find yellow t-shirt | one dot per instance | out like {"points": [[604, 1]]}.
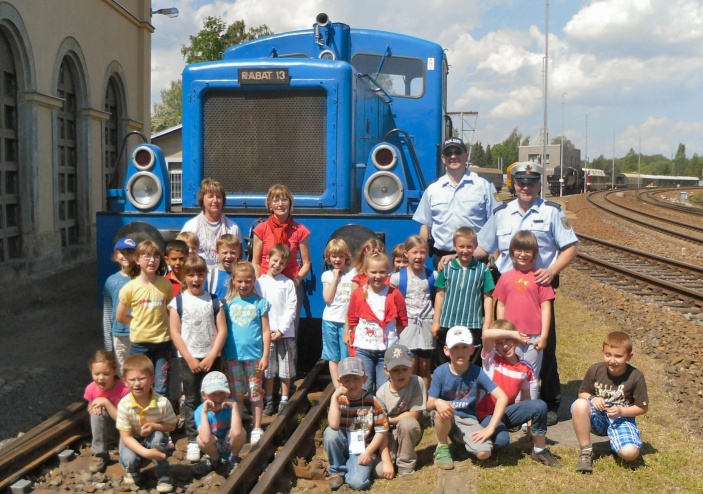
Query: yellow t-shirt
{"points": [[149, 315]]}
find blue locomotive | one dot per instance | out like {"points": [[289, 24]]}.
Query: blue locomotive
{"points": [[351, 120]]}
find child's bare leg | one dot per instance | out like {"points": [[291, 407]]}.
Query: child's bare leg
{"points": [[257, 410], [237, 434], [442, 428], [207, 443], [581, 419], [334, 373], [629, 452], [423, 370], [268, 388], [285, 388]]}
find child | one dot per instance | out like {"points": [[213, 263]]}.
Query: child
{"points": [[176, 253], [612, 394], [103, 396], [248, 340], [280, 292], [403, 398], [220, 430], [357, 431], [144, 419], [115, 333], [525, 303], [336, 290], [191, 239], [453, 395], [229, 251], [198, 330], [376, 317], [400, 260], [516, 378], [416, 283], [463, 298], [147, 295]]}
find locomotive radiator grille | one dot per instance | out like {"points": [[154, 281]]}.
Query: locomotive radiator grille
{"points": [[254, 139]]}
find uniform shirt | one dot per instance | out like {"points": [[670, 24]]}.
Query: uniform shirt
{"points": [[444, 207], [131, 416], [149, 315], [462, 391], [280, 292], [463, 300], [545, 219], [511, 378], [363, 414]]}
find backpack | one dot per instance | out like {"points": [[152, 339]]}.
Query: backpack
{"points": [[403, 281], [215, 305]]}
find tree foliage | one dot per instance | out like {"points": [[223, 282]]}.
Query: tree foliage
{"points": [[567, 142], [512, 143], [168, 113]]}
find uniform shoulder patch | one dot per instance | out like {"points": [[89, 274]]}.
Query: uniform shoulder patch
{"points": [[565, 223], [497, 197], [553, 204], [502, 206]]}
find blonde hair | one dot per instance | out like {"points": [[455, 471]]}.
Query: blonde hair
{"points": [[375, 257], [398, 251], [189, 238], [228, 240], [279, 190], [103, 356], [371, 245], [337, 246], [280, 249], [240, 267], [618, 339], [210, 186], [414, 241], [465, 232], [147, 248], [138, 363], [193, 264]]}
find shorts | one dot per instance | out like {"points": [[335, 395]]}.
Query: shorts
{"points": [[622, 431], [465, 427], [333, 347], [246, 378], [282, 357], [223, 446]]}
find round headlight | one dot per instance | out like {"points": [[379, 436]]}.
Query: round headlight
{"points": [[384, 157], [327, 55], [143, 158], [144, 190], [383, 191]]}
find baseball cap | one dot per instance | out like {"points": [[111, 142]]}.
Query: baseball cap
{"points": [[527, 171], [397, 355], [457, 335], [125, 243], [454, 142], [215, 381], [351, 366]]}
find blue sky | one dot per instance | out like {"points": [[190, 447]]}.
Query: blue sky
{"points": [[635, 67]]}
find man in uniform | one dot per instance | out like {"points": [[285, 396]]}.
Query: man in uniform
{"points": [[557, 248], [458, 198]]}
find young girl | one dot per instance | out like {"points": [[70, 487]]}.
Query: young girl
{"points": [[400, 259], [525, 303], [336, 290], [416, 283], [103, 396], [376, 317], [147, 295], [248, 341], [198, 330]]}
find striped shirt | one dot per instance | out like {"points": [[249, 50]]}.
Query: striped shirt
{"points": [[464, 289], [363, 414], [511, 378], [131, 416]]}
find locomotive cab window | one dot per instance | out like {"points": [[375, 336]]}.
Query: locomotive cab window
{"points": [[398, 76]]}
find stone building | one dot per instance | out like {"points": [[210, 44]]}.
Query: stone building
{"points": [[572, 157], [75, 79]]}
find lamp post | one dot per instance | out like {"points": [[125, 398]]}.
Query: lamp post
{"points": [[561, 157], [170, 12], [613, 176], [585, 171], [545, 133], [639, 163]]}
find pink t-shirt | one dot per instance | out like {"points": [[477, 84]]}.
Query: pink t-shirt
{"points": [[511, 378], [118, 391], [296, 234], [523, 300]]}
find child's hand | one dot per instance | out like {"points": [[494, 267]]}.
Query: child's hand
{"points": [[434, 329], [483, 435], [206, 364], [208, 405], [341, 390], [598, 403], [444, 409], [98, 405], [388, 470], [541, 343], [276, 335], [614, 412], [147, 429], [155, 454], [524, 339], [336, 274], [194, 365], [364, 458], [262, 365], [347, 338]]}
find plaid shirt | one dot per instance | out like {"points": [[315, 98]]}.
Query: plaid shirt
{"points": [[131, 416]]}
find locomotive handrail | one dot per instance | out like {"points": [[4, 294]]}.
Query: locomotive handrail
{"points": [[413, 154]]}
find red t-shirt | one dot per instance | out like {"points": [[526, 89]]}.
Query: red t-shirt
{"points": [[174, 283], [523, 300], [296, 234], [118, 391], [511, 378]]}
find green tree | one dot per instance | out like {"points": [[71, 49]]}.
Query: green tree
{"points": [[488, 158], [567, 143], [512, 143], [477, 154], [168, 113], [694, 168], [526, 141], [680, 160], [630, 161], [500, 156]]}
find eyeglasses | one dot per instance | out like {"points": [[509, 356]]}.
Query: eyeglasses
{"points": [[280, 200], [453, 151], [139, 380], [150, 258]]}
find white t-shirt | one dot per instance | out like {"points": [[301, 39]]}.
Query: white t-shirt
{"points": [[337, 310], [198, 327], [369, 335], [280, 293]]}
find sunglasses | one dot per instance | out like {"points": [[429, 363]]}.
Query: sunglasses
{"points": [[454, 151]]}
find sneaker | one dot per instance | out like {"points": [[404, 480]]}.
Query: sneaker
{"points": [[131, 478], [164, 486], [256, 435], [269, 408], [545, 456], [552, 418], [97, 464], [233, 462], [585, 463], [403, 471], [443, 457], [281, 405], [192, 452], [335, 481], [206, 466], [170, 446]]}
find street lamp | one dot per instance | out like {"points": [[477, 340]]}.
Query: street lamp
{"points": [[585, 171], [613, 176], [171, 12], [561, 158]]}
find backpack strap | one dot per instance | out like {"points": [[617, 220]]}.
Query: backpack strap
{"points": [[216, 304], [179, 305], [429, 272], [403, 281]]}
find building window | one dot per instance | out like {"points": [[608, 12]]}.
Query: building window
{"points": [[112, 136], [67, 157], [176, 178], [10, 237]]}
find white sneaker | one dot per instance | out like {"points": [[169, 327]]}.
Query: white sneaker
{"points": [[256, 435], [193, 452]]}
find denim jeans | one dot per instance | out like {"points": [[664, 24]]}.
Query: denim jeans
{"points": [[131, 461], [518, 414], [373, 366], [160, 356], [104, 432], [358, 477]]}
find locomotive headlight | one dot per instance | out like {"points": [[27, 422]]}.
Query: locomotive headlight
{"points": [[143, 158], [383, 191], [144, 190], [384, 157]]}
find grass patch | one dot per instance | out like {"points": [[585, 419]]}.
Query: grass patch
{"points": [[672, 459]]}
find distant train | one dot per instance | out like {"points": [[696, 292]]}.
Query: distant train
{"points": [[493, 175], [574, 178], [633, 180], [595, 179]]}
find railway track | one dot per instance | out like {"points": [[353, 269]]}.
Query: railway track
{"points": [[647, 195], [265, 468]]}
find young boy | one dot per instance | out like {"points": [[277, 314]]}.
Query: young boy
{"points": [[612, 394], [516, 378], [229, 251], [176, 254], [280, 292], [403, 399], [453, 395], [191, 239], [357, 431], [116, 334], [144, 420], [219, 424], [400, 261], [463, 294]]}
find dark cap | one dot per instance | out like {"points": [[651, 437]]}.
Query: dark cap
{"points": [[454, 142], [527, 171], [351, 366], [397, 355]]}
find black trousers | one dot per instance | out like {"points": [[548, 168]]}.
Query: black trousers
{"points": [[550, 390]]}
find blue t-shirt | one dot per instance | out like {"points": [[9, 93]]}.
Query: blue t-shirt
{"points": [[220, 280], [220, 422], [113, 285], [461, 391], [244, 335]]}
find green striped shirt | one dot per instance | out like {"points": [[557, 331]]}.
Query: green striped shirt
{"points": [[464, 289]]}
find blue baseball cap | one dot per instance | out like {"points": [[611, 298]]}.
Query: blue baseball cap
{"points": [[125, 243]]}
